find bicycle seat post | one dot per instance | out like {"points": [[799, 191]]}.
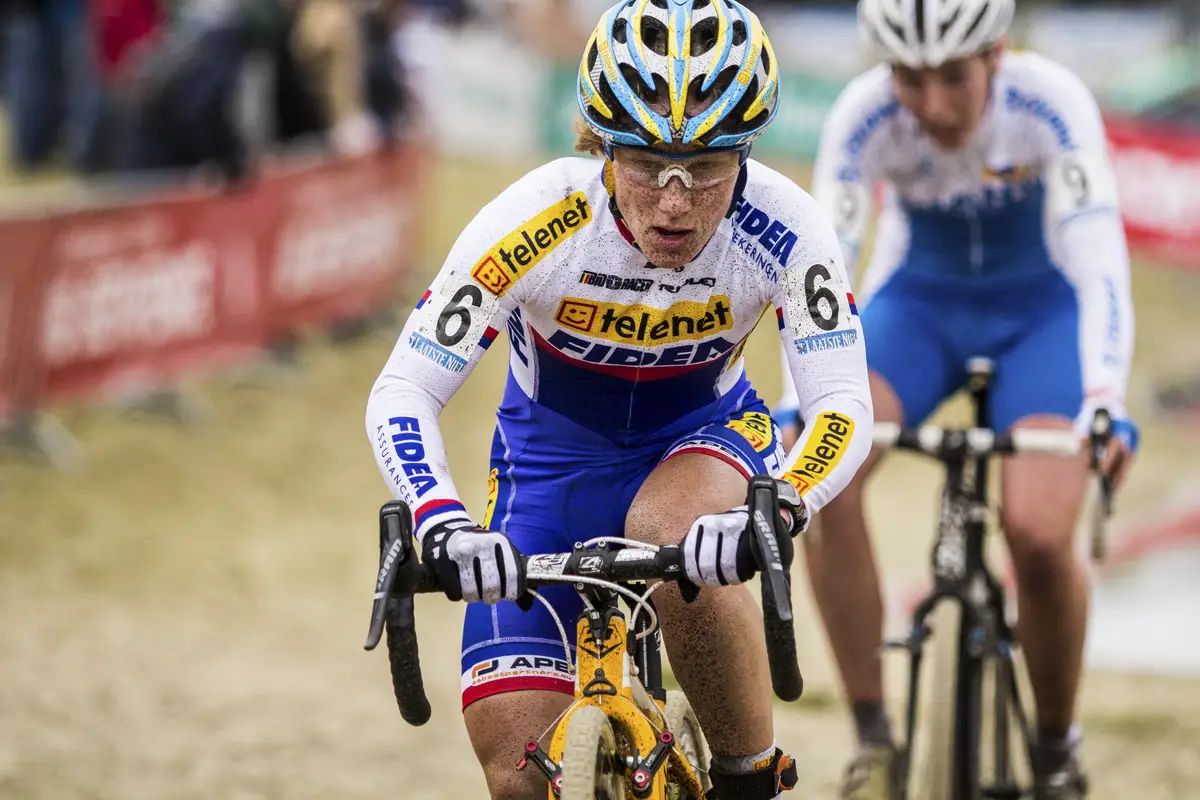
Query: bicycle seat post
{"points": [[980, 372]]}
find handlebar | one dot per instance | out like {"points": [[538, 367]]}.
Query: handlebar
{"points": [[948, 444], [955, 445], [401, 576]]}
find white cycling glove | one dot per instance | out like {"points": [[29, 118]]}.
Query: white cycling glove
{"points": [[473, 564], [718, 549]]}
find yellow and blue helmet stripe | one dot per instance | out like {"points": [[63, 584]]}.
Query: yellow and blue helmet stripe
{"points": [[678, 71]]}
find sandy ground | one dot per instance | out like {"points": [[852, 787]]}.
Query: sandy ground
{"points": [[185, 617]]}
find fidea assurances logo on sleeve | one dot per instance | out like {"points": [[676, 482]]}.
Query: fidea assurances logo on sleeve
{"points": [[524, 248]]}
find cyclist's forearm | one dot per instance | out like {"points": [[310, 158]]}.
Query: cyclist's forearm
{"points": [[402, 423], [827, 369], [834, 401], [834, 444], [1094, 251]]}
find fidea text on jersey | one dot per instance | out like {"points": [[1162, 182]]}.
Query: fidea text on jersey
{"points": [[766, 242], [410, 450], [677, 356], [523, 248]]}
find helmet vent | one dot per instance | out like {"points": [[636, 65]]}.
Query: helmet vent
{"points": [[739, 33], [945, 26], [704, 36], [983, 10], [654, 35], [621, 30]]}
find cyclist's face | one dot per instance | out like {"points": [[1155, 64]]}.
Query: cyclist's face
{"points": [[673, 206], [948, 101]]}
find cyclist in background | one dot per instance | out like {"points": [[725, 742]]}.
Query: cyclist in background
{"points": [[999, 235], [628, 286]]}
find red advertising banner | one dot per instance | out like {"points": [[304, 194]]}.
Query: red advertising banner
{"points": [[1158, 181], [342, 239], [21, 241], [132, 297]]}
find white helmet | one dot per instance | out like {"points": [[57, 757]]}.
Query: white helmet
{"points": [[928, 33]]}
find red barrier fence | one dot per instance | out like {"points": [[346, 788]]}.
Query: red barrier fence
{"points": [[137, 295], [1158, 180]]}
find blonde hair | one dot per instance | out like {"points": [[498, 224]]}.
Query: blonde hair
{"points": [[586, 139]]}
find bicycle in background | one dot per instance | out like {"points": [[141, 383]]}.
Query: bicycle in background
{"points": [[975, 690]]}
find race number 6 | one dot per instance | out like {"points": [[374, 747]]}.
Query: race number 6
{"points": [[456, 311], [814, 294]]}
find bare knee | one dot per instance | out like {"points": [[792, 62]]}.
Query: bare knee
{"points": [[1040, 539], [1042, 498], [499, 726], [655, 522], [679, 490]]}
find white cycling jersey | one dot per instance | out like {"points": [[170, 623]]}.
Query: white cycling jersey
{"points": [[1031, 194], [601, 338]]}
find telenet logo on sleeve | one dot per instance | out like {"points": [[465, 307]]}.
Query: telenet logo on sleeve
{"points": [[522, 249], [822, 452]]}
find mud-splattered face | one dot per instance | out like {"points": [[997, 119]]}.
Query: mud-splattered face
{"points": [[672, 205]]}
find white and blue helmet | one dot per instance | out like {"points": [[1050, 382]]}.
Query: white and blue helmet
{"points": [[647, 59], [928, 33]]}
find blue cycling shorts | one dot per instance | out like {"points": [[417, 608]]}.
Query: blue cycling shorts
{"points": [[920, 332], [553, 483]]}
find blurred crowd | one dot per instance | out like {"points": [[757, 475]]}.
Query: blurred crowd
{"points": [[123, 86]]}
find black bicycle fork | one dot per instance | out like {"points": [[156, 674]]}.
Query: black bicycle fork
{"points": [[961, 576]]}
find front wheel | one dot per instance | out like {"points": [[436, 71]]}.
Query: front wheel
{"points": [[682, 723], [932, 754], [591, 764]]}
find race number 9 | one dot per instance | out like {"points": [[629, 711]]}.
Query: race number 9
{"points": [[1078, 182], [814, 294], [848, 206], [1076, 179], [457, 313]]}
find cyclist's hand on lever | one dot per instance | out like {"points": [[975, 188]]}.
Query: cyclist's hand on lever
{"points": [[1114, 443], [474, 564], [1118, 456], [719, 549]]}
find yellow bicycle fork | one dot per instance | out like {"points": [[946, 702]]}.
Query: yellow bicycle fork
{"points": [[603, 679]]}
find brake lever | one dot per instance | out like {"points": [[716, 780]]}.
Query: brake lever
{"points": [[762, 504], [761, 501], [1101, 435], [395, 554]]}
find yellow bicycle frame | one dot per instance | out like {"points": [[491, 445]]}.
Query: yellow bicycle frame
{"points": [[602, 679]]}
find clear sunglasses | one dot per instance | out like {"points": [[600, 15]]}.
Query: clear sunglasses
{"points": [[701, 169]]}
